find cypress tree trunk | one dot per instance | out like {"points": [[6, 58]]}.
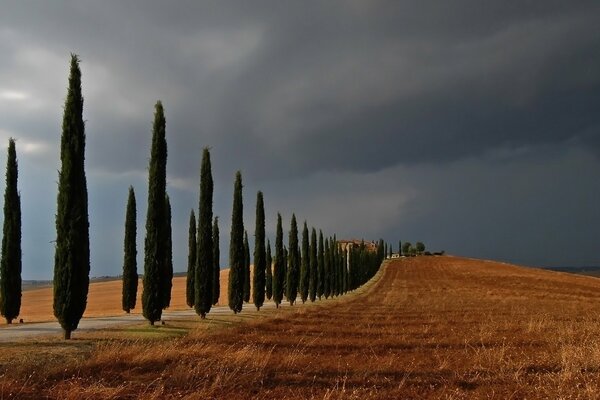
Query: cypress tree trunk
{"points": [[10, 263], [216, 286], [321, 267], [130, 275], [236, 249], [312, 266], [292, 271], [304, 266], [154, 245], [269, 278], [167, 279], [191, 269], [260, 262], [205, 264], [278, 271], [246, 268], [72, 252]]}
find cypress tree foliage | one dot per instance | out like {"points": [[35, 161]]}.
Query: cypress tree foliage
{"points": [[191, 269], [320, 267], [216, 285], [236, 249], [130, 275], [399, 247], [391, 251], [293, 267], [334, 268], [344, 271], [205, 265], [260, 262], [154, 245], [10, 263], [72, 250], [246, 268], [269, 277], [167, 272], [385, 250], [304, 265], [312, 266], [278, 271], [326, 270], [286, 260]]}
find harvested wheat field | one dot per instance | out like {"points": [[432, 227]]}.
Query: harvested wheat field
{"points": [[425, 327]]}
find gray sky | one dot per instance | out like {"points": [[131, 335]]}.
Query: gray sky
{"points": [[472, 126]]}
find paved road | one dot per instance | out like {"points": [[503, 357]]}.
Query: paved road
{"points": [[37, 329]]}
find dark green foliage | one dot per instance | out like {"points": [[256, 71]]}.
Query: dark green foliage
{"points": [[246, 268], [327, 270], [285, 268], [167, 272], [320, 267], [420, 248], [191, 269], [156, 232], [216, 286], [72, 251], [312, 266], [293, 272], [260, 262], [391, 251], [304, 265], [335, 278], [269, 278], [363, 264], [10, 264], [399, 247], [130, 275], [236, 249], [278, 267], [385, 251], [344, 261], [205, 265], [406, 248]]}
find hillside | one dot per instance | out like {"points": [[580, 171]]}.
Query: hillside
{"points": [[425, 327]]}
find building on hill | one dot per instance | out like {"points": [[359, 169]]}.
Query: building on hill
{"points": [[346, 245]]}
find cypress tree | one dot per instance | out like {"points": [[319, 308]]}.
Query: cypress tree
{"points": [[320, 267], [286, 260], [154, 244], [236, 249], [189, 287], [260, 262], [216, 286], [246, 268], [167, 272], [130, 275], [399, 247], [278, 267], [293, 267], [304, 266], [10, 263], [205, 265], [72, 250], [327, 270], [334, 268], [385, 251], [269, 277], [312, 266]]}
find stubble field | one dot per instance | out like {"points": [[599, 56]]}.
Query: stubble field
{"points": [[426, 327]]}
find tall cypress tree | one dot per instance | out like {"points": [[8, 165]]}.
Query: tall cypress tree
{"points": [[72, 251], [293, 272], [167, 272], [191, 269], [246, 268], [312, 266], [286, 261], [304, 265], [260, 262], [269, 277], [10, 263], [278, 271], [320, 267], [326, 271], [205, 265], [154, 244], [216, 286], [130, 275], [236, 249]]}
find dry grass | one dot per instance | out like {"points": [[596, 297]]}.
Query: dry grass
{"points": [[428, 327]]}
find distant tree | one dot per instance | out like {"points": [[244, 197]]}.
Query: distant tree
{"points": [[269, 277], [304, 265], [278, 269], [72, 248], [190, 293], [167, 279], [236, 249], [391, 251], [320, 267], [130, 275], [406, 248], [260, 262], [286, 261], [293, 267], [420, 248], [327, 270], [246, 268], [205, 265], [385, 251], [154, 245], [312, 266], [10, 263], [399, 247], [216, 286]]}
